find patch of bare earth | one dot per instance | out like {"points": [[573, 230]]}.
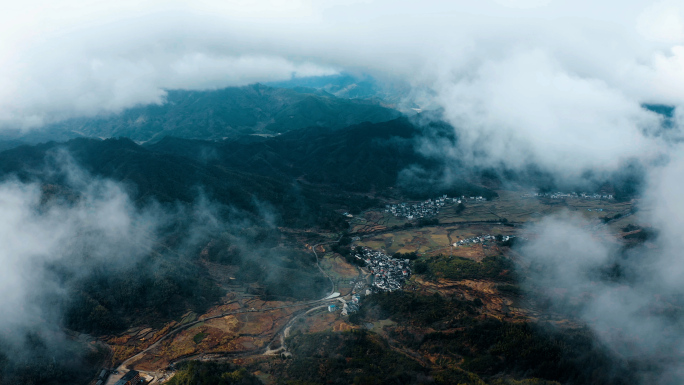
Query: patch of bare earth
{"points": [[135, 340], [325, 321], [231, 334], [495, 304]]}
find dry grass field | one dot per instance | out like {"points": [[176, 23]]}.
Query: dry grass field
{"points": [[434, 240], [229, 334], [477, 219], [322, 321], [337, 267]]}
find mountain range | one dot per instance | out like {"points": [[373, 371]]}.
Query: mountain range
{"points": [[220, 114]]}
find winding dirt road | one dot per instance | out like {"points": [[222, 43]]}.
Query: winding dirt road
{"points": [[160, 376]]}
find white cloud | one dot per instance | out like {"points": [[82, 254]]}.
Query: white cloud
{"points": [[529, 80], [102, 227], [523, 4], [632, 308], [526, 109], [662, 21]]}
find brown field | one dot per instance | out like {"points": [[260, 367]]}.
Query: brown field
{"points": [[434, 240], [338, 267], [322, 320], [509, 205], [378, 326], [375, 220], [239, 332], [232, 333], [373, 216], [495, 304], [133, 341]]}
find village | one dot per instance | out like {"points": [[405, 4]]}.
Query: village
{"points": [[389, 274], [563, 195], [348, 307], [426, 209], [482, 239]]}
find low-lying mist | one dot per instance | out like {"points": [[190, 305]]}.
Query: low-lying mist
{"points": [[51, 238], [631, 294], [81, 256]]}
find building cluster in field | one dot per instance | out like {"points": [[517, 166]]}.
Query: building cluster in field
{"points": [[562, 195], [389, 274], [348, 307], [352, 306], [426, 209], [482, 239], [357, 284], [130, 378]]}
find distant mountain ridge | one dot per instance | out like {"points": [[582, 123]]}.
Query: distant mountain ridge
{"points": [[306, 174], [169, 178], [349, 86], [226, 113], [341, 85], [362, 158]]}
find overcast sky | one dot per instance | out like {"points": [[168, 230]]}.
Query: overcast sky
{"points": [[553, 82]]}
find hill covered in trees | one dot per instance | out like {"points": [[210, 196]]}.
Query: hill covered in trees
{"points": [[169, 178], [361, 158], [224, 113]]}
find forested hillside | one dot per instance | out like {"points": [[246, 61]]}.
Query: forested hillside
{"points": [[225, 113], [170, 178], [361, 158]]}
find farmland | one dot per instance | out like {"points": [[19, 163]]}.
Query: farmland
{"points": [[504, 215], [459, 260]]}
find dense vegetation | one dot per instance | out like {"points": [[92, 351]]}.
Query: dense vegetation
{"points": [[477, 350], [361, 158], [463, 347], [109, 302], [170, 178], [435, 310], [43, 358], [496, 268], [489, 347], [166, 284], [211, 373], [356, 357], [345, 85], [229, 112], [343, 165]]}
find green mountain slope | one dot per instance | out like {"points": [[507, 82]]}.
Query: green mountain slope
{"points": [[168, 178], [361, 158], [227, 113], [350, 86]]}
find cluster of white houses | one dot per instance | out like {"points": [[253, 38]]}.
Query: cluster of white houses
{"points": [[562, 195], [481, 239], [351, 306], [426, 209], [389, 273]]}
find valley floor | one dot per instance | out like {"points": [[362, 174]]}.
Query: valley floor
{"points": [[464, 262]]}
